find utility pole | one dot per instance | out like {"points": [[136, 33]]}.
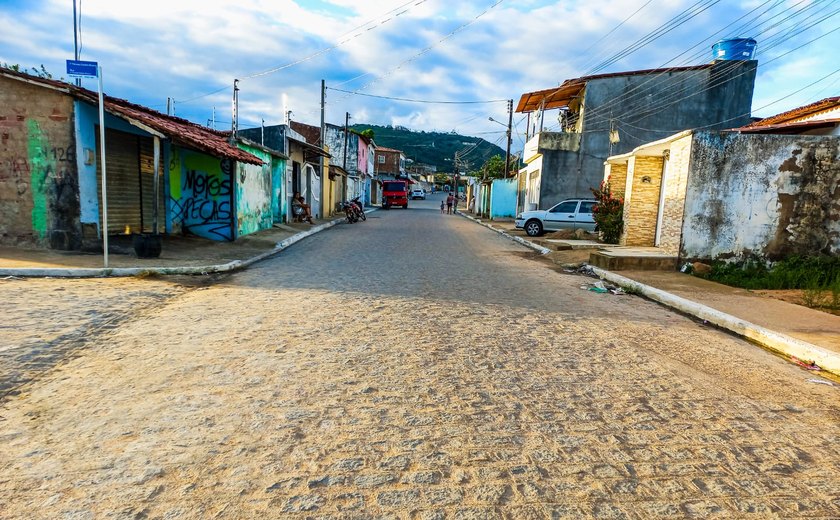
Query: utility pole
{"points": [[76, 39], [323, 132], [509, 127], [346, 137], [234, 124]]}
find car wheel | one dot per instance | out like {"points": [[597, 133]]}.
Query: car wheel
{"points": [[405, 206], [533, 228]]}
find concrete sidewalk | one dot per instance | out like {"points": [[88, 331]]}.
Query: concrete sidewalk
{"points": [[788, 329], [180, 255]]}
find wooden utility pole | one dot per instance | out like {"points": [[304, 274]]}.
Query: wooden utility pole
{"points": [[509, 125]]}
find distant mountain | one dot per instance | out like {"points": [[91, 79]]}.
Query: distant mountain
{"points": [[435, 148]]}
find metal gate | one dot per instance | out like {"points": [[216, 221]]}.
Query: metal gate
{"points": [[130, 160]]}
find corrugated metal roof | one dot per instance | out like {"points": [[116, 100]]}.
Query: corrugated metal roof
{"points": [[797, 113], [180, 131], [562, 95]]}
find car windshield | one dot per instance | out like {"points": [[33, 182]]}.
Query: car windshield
{"points": [[393, 186]]}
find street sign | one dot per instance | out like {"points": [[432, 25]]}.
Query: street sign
{"points": [[82, 69]]}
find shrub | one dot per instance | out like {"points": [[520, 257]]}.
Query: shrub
{"points": [[795, 272], [608, 213]]}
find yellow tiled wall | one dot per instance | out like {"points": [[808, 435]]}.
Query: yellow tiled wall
{"points": [[644, 176]]}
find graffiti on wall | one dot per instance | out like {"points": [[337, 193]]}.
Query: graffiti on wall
{"points": [[200, 194]]}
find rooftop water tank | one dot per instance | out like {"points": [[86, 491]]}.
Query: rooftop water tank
{"points": [[734, 49]]}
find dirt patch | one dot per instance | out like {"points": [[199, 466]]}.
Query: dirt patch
{"points": [[820, 302]]}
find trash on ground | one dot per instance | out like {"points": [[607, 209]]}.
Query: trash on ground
{"points": [[12, 278], [602, 287], [821, 382], [807, 365], [587, 270]]}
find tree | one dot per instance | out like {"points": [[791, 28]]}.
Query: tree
{"points": [[367, 132], [608, 213], [494, 168]]}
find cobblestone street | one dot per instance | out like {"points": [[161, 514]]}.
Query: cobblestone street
{"points": [[412, 366]]}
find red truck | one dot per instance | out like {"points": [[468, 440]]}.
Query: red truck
{"points": [[395, 193]]}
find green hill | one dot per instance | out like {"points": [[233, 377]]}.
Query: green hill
{"points": [[435, 148]]}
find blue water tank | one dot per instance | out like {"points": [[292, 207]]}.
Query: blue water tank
{"points": [[734, 49]]}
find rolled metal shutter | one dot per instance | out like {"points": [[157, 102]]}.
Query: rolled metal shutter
{"points": [[130, 182], [147, 181]]}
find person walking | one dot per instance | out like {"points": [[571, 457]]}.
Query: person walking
{"points": [[449, 201], [442, 203]]}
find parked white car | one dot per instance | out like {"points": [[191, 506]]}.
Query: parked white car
{"points": [[418, 194], [569, 214]]}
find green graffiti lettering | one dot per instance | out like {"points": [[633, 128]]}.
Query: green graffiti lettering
{"points": [[41, 168]]}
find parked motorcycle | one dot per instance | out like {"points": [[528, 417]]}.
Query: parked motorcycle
{"points": [[360, 210], [350, 212]]}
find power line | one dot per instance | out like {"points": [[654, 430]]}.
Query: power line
{"points": [[320, 52], [466, 102], [421, 53]]}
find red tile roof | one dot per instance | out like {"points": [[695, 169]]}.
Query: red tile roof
{"points": [[180, 131], [797, 113], [383, 149]]}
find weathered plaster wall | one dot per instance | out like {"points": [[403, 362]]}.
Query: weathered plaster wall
{"points": [[39, 187], [200, 194], [771, 195], [644, 178], [503, 198], [253, 186]]}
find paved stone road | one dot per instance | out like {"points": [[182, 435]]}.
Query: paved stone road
{"points": [[417, 366]]}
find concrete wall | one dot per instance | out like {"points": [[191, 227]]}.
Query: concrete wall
{"points": [[641, 201], [254, 189], [771, 195], [645, 108], [201, 194], [503, 198], [39, 186]]}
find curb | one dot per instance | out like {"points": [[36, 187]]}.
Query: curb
{"points": [[102, 272], [775, 341], [542, 250]]}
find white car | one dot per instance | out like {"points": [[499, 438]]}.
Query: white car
{"points": [[569, 214], [418, 194]]}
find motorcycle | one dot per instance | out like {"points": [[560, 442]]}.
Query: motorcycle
{"points": [[350, 212], [360, 211]]}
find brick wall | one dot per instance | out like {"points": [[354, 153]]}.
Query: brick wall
{"points": [[391, 166], [39, 189], [676, 179], [644, 176]]}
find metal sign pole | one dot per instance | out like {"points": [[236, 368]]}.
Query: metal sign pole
{"points": [[104, 177]]}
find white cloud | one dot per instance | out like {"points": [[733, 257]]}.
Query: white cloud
{"points": [[184, 49]]}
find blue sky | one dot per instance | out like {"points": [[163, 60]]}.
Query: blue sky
{"points": [[191, 50]]}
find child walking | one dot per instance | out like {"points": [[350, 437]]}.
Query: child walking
{"points": [[441, 206]]}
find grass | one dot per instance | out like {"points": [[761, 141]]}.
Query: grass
{"points": [[818, 277]]}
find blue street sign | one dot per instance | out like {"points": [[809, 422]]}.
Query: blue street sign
{"points": [[81, 69]]}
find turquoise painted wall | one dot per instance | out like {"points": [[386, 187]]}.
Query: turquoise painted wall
{"points": [[503, 199]]}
